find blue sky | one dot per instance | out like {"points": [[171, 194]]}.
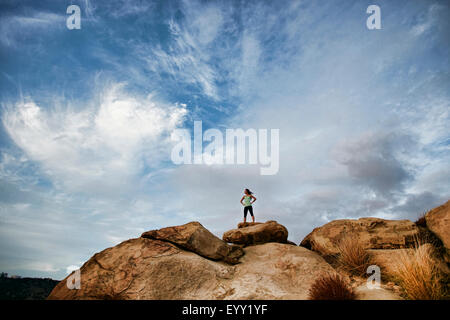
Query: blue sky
{"points": [[87, 117]]}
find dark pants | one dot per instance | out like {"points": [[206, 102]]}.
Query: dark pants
{"points": [[248, 209]]}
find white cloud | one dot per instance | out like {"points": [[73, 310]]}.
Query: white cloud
{"points": [[71, 268], [41, 266], [83, 147], [204, 22]]}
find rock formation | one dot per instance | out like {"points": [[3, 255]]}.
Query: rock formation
{"points": [[438, 222], [194, 237], [257, 233], [189, 262], [373, 233], [247, 224], [364, 293], [153, 269]]}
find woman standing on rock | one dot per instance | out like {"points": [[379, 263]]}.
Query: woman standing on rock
{"points": [[247, 201]]}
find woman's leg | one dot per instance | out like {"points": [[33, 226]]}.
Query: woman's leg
{"points": [[245, 214], [251, 213]]}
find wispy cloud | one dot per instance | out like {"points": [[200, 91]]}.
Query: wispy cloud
{"points": [[15, 29], [183, 60]]}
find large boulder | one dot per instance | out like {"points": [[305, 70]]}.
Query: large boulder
{"points": [[276, 271], [194, 237], [247, 224], [364, 293], [257, 233], [145, 268], [438, 222], [373, 233]]}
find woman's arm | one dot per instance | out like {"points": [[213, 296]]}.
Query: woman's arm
{"points": [[242, 199], [254, 199]]}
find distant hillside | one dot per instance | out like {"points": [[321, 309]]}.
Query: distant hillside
{"points": [[25, 288]]}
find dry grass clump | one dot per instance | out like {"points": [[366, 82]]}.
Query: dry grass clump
{"points": [[421, 222], [353, 257], [331, 287], [418, 274]]}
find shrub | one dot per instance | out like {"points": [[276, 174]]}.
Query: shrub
{"points": [[353, 257], [331, 287], [421, 222], [418, 274]]}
